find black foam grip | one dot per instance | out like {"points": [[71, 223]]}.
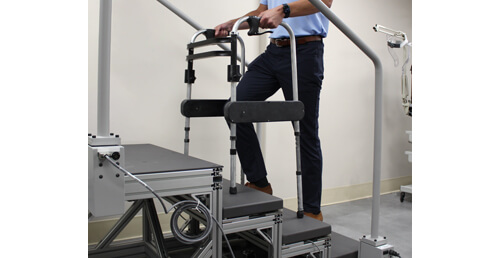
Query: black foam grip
{"points": [[203, 107], [209, 33], [253, 23]]}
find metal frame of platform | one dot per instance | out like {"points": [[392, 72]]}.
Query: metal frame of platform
{"points": [[265, 230], [258, 227], [169, 173], [251, 212], [320, 246], [251, 215], [305, 236], [299, 236]]}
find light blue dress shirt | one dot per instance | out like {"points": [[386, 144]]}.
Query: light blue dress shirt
{"points": [[313, 24]]}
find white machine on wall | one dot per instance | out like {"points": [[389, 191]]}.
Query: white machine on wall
{"points": [[399, 39]]}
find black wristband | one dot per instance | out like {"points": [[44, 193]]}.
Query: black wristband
{"points": [[286, 10]]}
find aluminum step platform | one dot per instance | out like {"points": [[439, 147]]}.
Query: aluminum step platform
{"points": [[148, 158], [169, 173], [247, 201], [306, 228]]}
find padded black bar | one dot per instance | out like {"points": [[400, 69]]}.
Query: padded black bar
{"points": [[208, 42], [208, 54], [203, 107], [263, 111]]}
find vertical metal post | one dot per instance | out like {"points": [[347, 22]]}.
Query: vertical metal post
{"points": [[187, 127], [103, 76], [216, 208], [233, 77], [377, 148], [189, 80], [296, 124], [242, 44], [277, 234], [233, 146]]}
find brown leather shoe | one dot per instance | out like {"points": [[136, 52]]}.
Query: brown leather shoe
{"points": [[268, 189], [318, 216]]}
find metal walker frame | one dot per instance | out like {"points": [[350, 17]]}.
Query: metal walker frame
{"points": [[241, 111]]}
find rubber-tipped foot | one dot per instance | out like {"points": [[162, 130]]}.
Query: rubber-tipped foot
{"points": [[300, 214], [232, 190]]}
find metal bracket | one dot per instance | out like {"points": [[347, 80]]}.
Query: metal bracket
{"points": [[374, 241], [95, 140], [106, 185]]}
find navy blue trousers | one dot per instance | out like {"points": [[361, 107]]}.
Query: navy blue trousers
{"points": [[267, 74]]}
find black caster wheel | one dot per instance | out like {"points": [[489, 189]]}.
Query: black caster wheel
{"points": [[402, 198]]}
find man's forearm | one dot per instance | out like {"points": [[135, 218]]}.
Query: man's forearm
{"points": [[304, 7]]}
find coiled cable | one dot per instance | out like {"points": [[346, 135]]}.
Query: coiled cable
{"points": [[183, 206]]}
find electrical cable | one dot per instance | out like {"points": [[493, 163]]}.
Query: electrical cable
{"points": [[225, 237], [309, 241], [181, 207], [393, 253]]}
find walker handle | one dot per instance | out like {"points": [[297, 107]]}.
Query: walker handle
{"points": [[209, 33], [253, 23]]}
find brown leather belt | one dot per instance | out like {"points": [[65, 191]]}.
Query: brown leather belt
{"points": [[301, 40]]}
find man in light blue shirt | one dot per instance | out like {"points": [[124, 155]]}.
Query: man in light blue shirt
{"points": [[313, 24], [270, 72]]}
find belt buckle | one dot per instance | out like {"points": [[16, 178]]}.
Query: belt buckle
{"points": [[278, 42]]}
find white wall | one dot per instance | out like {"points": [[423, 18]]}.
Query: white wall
{"points": [[147, 86]]}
